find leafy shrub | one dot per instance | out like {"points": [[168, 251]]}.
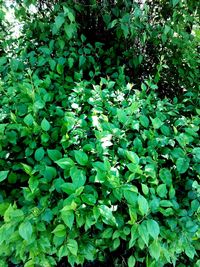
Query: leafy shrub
{"points": [[93, 162]]}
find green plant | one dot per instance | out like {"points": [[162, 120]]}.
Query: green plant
{"points": [[93, 162]]}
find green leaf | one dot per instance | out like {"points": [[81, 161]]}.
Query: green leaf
{"points": [[3, 175], [29, 120], [144, 121], [72, 246], [154, 250], [143, 232], [182, 164], [131, 261], [54, 154], [153, 228], [39, 154], [50, 173], [70, 62], [68, 217], [59, 68], [65, 163], [162, 190], [175, 2], [132, 156], [78, 177], [45, 125], [63, 251], [196, 154], [107, 215], [82, 60], [143, 205], [145, 189], [190, 251], [81, 157], [60, 230], [157, 123], [165, 176], [26, 230], [59, 21], [130, 196]]}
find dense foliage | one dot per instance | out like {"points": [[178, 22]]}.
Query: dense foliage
{"points": [[99, 133]]}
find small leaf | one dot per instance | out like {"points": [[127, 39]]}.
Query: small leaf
{"points": [[54, 154], [132, 156], [65, 163], [143, 232], [131, 261], [3, 175], [60, 230], [29, 120], [165, 176], [175, 2], [78, 177], [59, 21], [154, 250], [144, 121], [81, 157], [68, 217], [45, 125], [25, 230], [162, 190], [153, 228], [182, 164], [70, 62], [82, 60], [157, 123], [39, 154], [143, 205], [72, 246]]}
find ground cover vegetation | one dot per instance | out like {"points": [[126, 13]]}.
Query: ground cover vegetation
{"points": [[99, 133]]}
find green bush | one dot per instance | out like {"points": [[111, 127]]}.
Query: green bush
{"points": [[94, 163]]}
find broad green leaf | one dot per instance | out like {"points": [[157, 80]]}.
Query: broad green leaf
{"points": [[143, 232], [130, 196], [59, 20], [65, 163], [50, 173], [165, 176], [68, 217], [81, 157], [63, 251], [78, 177], [157, 123], [54, 154], [72, 246], [131, 261], [132, 156], [59, 68], [154, 250], [45, 125], [145, 189], [3, 175], [39, 154], [29, 120], [70, 62], [60, 230], [162, 190], [182, 164], [82, 60], [26, 230], [190, 251], [153, 228], [107, 215], [175, 2], [143, 205], [144, 121]]}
